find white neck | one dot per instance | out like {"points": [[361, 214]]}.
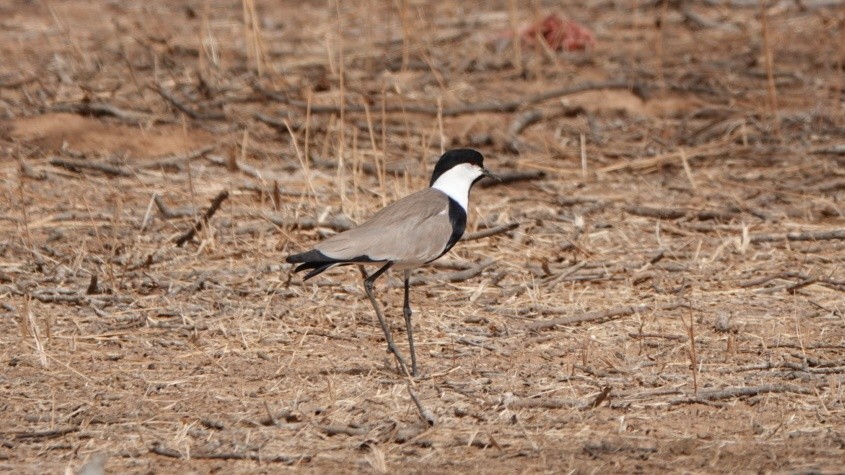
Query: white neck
{"points": [[457, 181]]}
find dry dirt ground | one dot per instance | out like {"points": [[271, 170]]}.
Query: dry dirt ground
{"points": [[662, 289]]}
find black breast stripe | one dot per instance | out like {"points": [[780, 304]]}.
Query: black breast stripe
{"points": [[458, 219]]}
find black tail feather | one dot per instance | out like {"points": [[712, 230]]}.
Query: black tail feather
{"points": [[319, 262], [311, 256], [318, 269], [312, 259]]}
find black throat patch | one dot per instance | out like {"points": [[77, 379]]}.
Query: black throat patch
{"points": [[458, 219]]}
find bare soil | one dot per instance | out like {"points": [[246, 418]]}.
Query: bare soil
{"points": [[665, 293]]}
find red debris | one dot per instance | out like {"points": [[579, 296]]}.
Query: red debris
{"points": [[559, 34]]}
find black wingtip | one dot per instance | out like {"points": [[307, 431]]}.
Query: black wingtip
{"points": [[310, 256], [320, 262], [313, 259], [317, 270]]}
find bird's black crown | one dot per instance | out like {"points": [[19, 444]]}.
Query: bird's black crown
{"points": [[456, 157]]}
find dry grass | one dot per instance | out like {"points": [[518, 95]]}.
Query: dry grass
{"points": [[672, 299]]}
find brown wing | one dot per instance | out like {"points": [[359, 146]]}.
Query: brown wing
{"points": [[414, 229]]}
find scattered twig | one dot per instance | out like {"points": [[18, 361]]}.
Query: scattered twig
{"points": [[807, 369], [425, 414], [245, 168], [335, 223], [804, 346], [18, 82], [600, 397], [29, 172], [595, 372], [455, 276], [99, 109], [167, 96], [409, 433], [703, 22], [675, 213], [343, 430], [769, 64], [511, 177], [521, 121], [215, 205], [44, 434], [828, 234], [554, 279], [197, 285], [504, 107], [276, 195], [82, 216], [658, 213], [598, 315], [502, 228], [271, 418], [803, 283], [276, 123], [77, 165], [730, 393], [212, 424], [635, 395], [473, 441], [92, 286], [663, 336], [653, 163], [543, 403], [834, 150], [367, 168], [178, 161], [171, 213], [693, 353], [478, 344], [768, 278], [160, 449], [816, 362], [530, 117], [596, 450], [75, 299]]}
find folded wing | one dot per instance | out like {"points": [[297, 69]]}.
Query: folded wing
{"points": [[410, 232]]}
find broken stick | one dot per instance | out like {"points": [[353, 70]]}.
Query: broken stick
{"points": [[460, 276], [502, 228], [822, 235], [196, 115], [598, 315], [77, 165], [514, 176], [215, 205], [736, 392]]}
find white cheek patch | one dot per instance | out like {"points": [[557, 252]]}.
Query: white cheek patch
{"points": [[457, 181]]}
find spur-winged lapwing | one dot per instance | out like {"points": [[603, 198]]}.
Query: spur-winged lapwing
{"points": [[406, 234]]}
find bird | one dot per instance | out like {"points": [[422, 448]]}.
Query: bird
{"points": [[404, 235]]}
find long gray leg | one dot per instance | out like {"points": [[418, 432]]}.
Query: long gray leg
{"points": [[408, 327], [391, 346]]}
